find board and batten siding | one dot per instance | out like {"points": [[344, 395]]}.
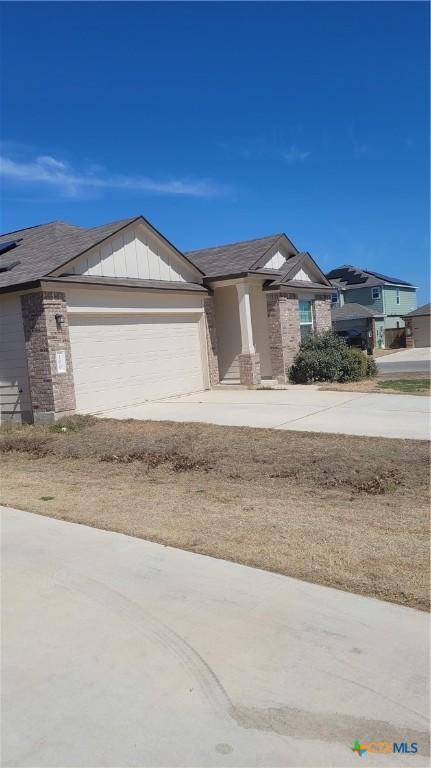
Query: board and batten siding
{"points": [[15, 402], [134, 253], [276, 261]]}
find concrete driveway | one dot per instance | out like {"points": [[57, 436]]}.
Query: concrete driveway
{"points": [[304, 408], [406, 361], [120, 652]]}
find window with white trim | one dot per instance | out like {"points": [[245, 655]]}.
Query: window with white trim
{"points": [[305, 318], [334, 299], [375, 293], [398, 295]]}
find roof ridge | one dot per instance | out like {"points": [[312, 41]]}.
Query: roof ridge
{"points": [[34, 226], [238, 242], [112, 223]]}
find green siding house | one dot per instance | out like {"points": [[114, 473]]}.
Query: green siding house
{"points": [[387, 298]]}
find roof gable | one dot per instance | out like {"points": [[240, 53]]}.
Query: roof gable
{"points": [[303, 269], [247, 255], [135, 252], [45, 249]]}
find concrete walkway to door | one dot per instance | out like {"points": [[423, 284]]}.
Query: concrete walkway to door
{"points": [[121, 652], [304, 408]]}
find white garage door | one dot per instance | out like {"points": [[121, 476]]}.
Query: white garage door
{"points": [[120, 360]]}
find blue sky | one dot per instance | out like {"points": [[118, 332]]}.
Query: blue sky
{"points": [[224, 121]]}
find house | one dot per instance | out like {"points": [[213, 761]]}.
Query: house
{"points": [[388, 299], [418, 327], [95, 319], [357, 320]]}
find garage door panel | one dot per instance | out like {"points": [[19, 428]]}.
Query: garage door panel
{"points": [[121, 360]]}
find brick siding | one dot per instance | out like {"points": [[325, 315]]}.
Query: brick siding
{"points": [[283, 331], [249, 369], [52, 393], [211, 335], [322, 314]]}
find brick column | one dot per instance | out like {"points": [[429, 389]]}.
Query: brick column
{"points": [[322, 314], [211, 334], [283, 330], [249, 369], [52, 392]]}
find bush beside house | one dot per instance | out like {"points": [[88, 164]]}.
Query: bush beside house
{"points": [[326, 357]]}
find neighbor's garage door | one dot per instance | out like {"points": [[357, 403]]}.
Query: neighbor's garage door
{"points": [[126, 359], [421, 331]]}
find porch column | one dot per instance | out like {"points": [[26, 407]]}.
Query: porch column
{"points": [[249, 361]]}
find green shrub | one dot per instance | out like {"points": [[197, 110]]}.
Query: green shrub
{"points": [[354, 366], [326, 357]]}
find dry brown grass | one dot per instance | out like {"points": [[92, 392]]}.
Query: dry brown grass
{"points": [[348, 512]]}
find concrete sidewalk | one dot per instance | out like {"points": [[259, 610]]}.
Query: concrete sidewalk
{"points": [[304, 408], [120, 652]]}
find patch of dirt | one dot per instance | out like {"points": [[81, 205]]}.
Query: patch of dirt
{"points": [[314, 461], [348, 512]]}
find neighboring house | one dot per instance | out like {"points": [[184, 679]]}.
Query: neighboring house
{"points": [[388, 298], [418, 327], [357, 319], [102, 318]]}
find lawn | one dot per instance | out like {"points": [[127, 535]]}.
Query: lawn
{"points": [[411, 386], [405, 383], [348, 512]]}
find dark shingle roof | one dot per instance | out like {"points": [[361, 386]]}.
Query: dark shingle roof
{"points": [[46, 247], [352, 311], [234, 257], [348, 277], [422, 311]]}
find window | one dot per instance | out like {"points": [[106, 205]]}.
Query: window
{"points": [[334, 299], [398, 295], [375, 293], [305, 318]]}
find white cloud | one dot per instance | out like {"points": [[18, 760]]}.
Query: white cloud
{"points": [[295, 155], [52, 172]]}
